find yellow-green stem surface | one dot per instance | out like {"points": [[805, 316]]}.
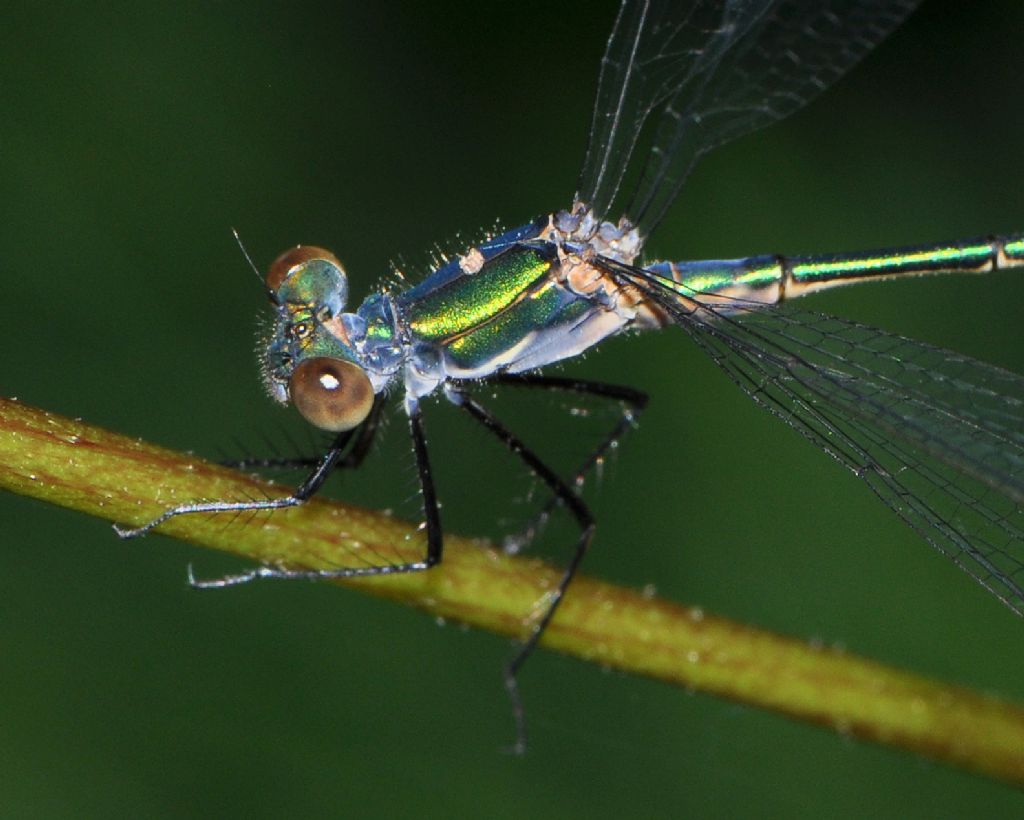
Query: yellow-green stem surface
{"points": [[85, 468]]}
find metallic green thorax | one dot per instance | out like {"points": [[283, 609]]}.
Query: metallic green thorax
{"points": [[482, 318], [466, 302]]}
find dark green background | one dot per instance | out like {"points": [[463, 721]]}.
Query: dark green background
{"points": [[131, 141]]}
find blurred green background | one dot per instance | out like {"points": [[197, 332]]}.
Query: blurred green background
{"points": [[133, 138]]}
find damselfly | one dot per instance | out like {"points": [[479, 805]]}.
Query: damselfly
{"points": [[938, 437]]}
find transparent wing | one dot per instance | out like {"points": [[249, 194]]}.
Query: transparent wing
{"points": [[712, 70], [939, 437]]}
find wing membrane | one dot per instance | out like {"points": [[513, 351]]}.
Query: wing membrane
{"points": [[712, 71], [937, 436]]}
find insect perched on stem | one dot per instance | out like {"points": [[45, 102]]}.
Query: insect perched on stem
{"points": [[938, 437]]}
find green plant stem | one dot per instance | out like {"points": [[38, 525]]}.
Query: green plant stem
{"points": [[76, 465]]}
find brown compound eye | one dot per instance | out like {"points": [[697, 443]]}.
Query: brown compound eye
{"points": [[332, 394], [283, 266]]}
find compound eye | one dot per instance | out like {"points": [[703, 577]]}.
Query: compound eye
{"points": [[332, 394], [282, 267]]}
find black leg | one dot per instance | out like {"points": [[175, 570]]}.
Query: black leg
{"points": [[634, 401], [431, 510], [306, 490], [333, 458], [566, 495], [271, 463]]}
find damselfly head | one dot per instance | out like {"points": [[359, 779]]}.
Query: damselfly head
{"points": [[309, 357], [307, 274]]}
